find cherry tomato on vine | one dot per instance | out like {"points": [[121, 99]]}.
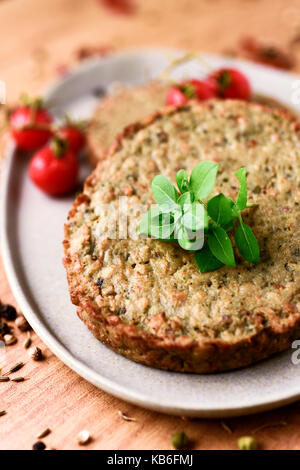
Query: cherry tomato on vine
{"points": [[30, 125], [202, 89], [231, 83], [175, 97], [191, 89], [73, 135], [54, 168]]}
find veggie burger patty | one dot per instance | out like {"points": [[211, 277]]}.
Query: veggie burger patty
{"points": [[147, 299]]}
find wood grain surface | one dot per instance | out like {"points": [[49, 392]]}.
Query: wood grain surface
{"points": [[38, 40]]}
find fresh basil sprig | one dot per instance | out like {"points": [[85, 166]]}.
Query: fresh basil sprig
{"points": [[198, 225], [203, 178]]}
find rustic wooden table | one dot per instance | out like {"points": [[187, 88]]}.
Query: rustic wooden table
{"points": [[38, 39]]}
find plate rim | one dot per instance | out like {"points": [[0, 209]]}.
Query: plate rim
{"points": [[53, 343]]}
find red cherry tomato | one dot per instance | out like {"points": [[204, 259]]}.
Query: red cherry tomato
{"points": [[202, 89], [175, 97], [30, 127], [54, 168], [231, 83], [191, 89], [74, 136]]}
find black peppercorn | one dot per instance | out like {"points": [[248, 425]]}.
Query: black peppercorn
{"points": [[4, 329], [8, 312], [39, 445], [287, 268], [99, 282]]}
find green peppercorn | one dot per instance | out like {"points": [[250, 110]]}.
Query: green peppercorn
{"points": [[247, 443], [179, 440]]}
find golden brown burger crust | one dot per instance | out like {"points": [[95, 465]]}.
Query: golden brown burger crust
{"points": [[185, 355]]}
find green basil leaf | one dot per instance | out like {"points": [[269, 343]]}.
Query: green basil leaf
{"points": [[182, 181], [170, 239], [241, 201], [219, 208], [193, 218], [166, 209], [220, 246], [229, 226], [164, 192], [177, 214], [206, 221], [235, 210], [247, 243], [162, 224], [145, 224], [153, 219], [203, 179], [206, 261], [162, 232], [186, 242], [162, 219], [186, 198], [183, 238]]}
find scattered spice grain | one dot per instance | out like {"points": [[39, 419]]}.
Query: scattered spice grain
{"points": [[179, 440], [4, 329], [39, 445], [247, 443], [8, 312], [27, 342], [226, 427], [22, 323], [9, 339], [43, 434], [84, 437], [15, 368], [125, 417], [4, 379], [36, 353], [269, 425]]}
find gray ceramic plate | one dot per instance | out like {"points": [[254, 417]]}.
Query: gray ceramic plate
{"points": [[32, 233]]}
